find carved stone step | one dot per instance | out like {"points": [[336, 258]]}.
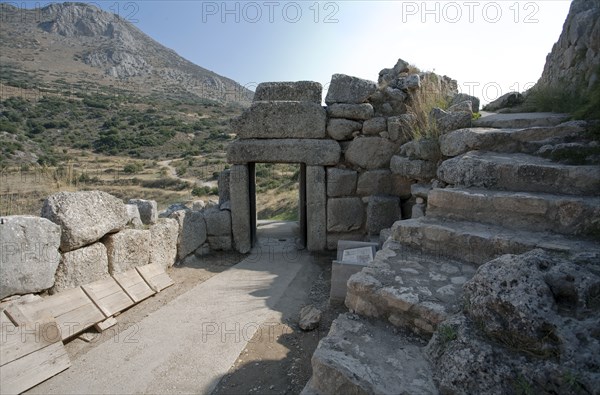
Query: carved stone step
{"points": [[360, 356], [478, 243], [518, 210], [519, 172], [408, 288]]}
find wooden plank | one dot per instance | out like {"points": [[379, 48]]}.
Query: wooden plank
{"points": [[104, 325], [72, 310], [18, 341], [134, 285], [108, 296], [20, 375], [155, 276]]}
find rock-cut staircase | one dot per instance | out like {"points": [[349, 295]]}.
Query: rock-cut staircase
{"points": [[501, 200]]}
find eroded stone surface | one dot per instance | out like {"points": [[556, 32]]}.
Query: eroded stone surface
{"points": [[308, 91], [127, 249], [81, 266], [309, 151], [370, 152]]}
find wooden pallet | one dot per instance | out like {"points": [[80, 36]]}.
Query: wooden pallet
{"points": [[134, 285], [72, 309], [155, 276], [108, 296], [29, 354]]}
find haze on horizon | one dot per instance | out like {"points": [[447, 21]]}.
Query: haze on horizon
{"points": [[490, 47]]}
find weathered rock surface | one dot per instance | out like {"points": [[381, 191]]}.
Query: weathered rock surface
{"points": [[148, 210], [220, 243], [518, 210], [342, 129], [81, 266], [382, 212], [346, 89], [462, 97], [192, 231], [528, 140], [163, 242], [508, 100], [29, 247], [84, 217], [341, 182], [223, 185], [400, 128], [519, 172], [127, 249], [360, 356], [359, 112], [424, 149], [414, 169], [240, 208], [375, 182], [374, 126], [449, 121], [527, 325], [316, 208], [133, 216], [370, 152], [478, 243], [520, 120], [218, 222], [411, 82], [410, 289], [281, 120], [308, 91], [310, 317], [344, 214], [309, 151]]}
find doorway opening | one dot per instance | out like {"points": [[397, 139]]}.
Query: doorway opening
{"points": [[278, 202]]}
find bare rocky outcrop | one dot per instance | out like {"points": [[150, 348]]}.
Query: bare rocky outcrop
{"points": [[574, 63], [84, 217], [30, 256]]}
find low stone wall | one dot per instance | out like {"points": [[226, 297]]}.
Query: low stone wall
{"points": [[82, 237]]}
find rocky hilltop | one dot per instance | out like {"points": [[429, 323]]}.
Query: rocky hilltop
{"points": [[77, 42], [574, 62]]}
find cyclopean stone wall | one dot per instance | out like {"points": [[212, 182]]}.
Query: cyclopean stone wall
{"points": [[352, 192]]}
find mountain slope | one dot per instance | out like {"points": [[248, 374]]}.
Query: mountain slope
{"points": [[83, 46]]}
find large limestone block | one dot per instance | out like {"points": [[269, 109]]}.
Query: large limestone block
{"points": [[449, 121], [341, 182], [308, 91], [223, 185], [375, 126], [127, 249], [148, 210], [401, 128], [218, 222], [28, 254], [316, 212], [82, 266], [382, 212], [346, 89], [133, 216], [345, 214], [281, 120], [414, 169], [374, 182], [359, 112], [192, 231], [424, 149], [310, 152], [462, 97], [163, 242], [220, 243], [342, 129], [370, 152], [240, 208], [84, 217]]}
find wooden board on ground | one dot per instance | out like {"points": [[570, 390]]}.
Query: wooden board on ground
{"points": [[104, 325], [21, 374], [72, 310], [155, 276], [108, 296], [29, 354], [18, 341], [134, 285]]}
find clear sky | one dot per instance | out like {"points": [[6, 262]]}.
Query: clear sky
{"points": [[496, 45]]}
